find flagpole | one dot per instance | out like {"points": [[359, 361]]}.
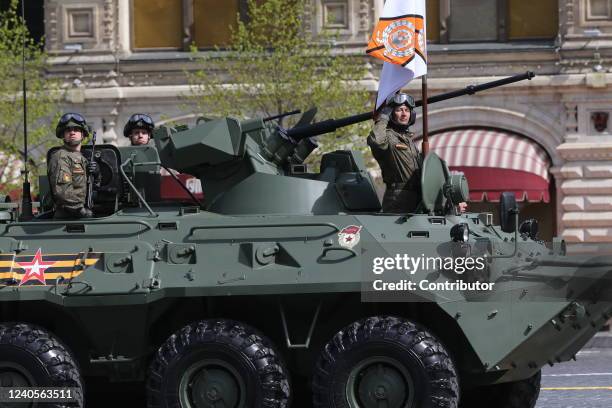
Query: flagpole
{"points": [[425, 142]]}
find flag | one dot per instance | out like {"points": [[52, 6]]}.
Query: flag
{"points": [[399, 39]]}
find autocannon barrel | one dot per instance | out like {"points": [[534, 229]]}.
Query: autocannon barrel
{"points": [[330, 125]]}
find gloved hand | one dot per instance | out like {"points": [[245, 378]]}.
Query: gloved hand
{"points": [[85, 213], [385, 112], [93, 168]]}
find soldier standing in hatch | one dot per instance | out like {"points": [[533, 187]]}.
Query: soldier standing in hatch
{"points": [[139, 129], [398, 157], [67, 169]]}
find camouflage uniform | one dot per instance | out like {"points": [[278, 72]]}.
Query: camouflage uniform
{"points": [[400, 163], [68, 180]]}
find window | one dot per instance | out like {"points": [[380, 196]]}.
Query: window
{"points": [[473, 20], [433, 21], [212, 21], [598, 10], [158, 24], [529, 19], [176, 24], [492, 20]]}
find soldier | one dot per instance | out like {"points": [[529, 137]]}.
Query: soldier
{"points": [[398, 157], [139, 128], [67, 168]]}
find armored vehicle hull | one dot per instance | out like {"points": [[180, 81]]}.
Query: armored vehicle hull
{"points": [[113, 297]]}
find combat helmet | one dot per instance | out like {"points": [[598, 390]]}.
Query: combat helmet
{"points": [[69, 120], [138, 121], [403, 99]]}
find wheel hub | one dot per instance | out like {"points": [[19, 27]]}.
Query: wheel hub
{"points": [[211, 385], [13, 377], [379, 380]]}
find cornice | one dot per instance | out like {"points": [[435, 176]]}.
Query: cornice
{"points": [[585, 151]]}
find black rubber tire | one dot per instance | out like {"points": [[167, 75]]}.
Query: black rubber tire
{"points": [[517, 394], [247, 351], [44, 359], [419, 352]]}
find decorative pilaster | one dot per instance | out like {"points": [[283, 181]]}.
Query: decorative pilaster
{"points": [[365, 24], [51, 25], [308, 16], [108, 24], [571, 118]]}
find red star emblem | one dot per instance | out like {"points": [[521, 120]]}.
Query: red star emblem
{"points": [[35, 269]]}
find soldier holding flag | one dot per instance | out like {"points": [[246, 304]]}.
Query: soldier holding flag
{"points": [[399, 39], [399, 159]]}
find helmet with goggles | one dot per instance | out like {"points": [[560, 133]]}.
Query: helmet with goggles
{"points": [[138, 121], [71, 120], [400, 99]]}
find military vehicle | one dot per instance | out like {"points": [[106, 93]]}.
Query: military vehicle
{"points": [[268, 283]]}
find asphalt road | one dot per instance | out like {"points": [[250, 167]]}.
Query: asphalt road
{"points": [[584, 383]]}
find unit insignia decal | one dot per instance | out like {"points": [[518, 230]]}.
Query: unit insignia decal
{"points": [[349, 236]]}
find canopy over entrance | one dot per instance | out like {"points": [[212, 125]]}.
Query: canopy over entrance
{"points": [[495, 161]]}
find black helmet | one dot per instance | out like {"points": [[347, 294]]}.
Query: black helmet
{"points": [[403, 99], [138, 121], [69, 120]]}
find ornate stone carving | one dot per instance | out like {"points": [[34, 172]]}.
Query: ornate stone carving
{"points": [[571, 118], [108, 24], [51, 25], [600, 121], [364, 17], [308, 16]]}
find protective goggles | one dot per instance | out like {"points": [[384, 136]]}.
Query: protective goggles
{"points": [[401, 99], [141, 117], [74, 117]]}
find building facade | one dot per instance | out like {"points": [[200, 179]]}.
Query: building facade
{"points": [[116, 57]]}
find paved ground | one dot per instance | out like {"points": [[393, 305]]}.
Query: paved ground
{"points": [[585, 383]]}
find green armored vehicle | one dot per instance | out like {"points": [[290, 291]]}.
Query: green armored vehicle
{"points": [[275, 281]]}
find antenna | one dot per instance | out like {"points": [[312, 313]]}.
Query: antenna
{"points": [[26, 198]]}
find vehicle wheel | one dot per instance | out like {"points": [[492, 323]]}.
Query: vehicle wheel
{"points": [[30, 356], [385, 362], [217, 363], [517, 394]]}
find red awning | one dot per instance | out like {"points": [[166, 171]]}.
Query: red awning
{"points": [[495, 161]]}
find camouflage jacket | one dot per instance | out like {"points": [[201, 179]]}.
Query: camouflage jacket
{"points": [[68, 179]]}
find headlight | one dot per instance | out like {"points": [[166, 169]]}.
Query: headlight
{"points": [[460, 232]]}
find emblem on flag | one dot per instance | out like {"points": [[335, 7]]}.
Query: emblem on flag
{"points": [[399, 40]]}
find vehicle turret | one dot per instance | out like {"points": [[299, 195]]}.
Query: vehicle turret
{"points": [[256, 166]]}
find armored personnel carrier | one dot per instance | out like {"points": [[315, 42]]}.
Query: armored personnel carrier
{"points": [[271, 282]]}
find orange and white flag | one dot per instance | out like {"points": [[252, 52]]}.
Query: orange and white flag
{"points": [[399, 39]]}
